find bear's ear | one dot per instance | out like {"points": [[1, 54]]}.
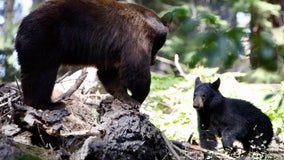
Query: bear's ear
{"points": [[167, 18], [215, 85], [197, 81]]}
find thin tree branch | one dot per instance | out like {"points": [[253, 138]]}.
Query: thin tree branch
{"points": [[225, 156], [165, 60], [169, 144], [77, 84], [179, 67], [182, 152]]}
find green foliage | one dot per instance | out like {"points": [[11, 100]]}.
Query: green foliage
{"points": [[260, 75], [264, 47], [7, 69], [217, 48], [7, 61], [208, 40], [276, 109], [201, 37], [168, 106], [264, 53]]}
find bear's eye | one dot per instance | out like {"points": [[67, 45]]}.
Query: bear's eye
{"points": [[203, 96]]}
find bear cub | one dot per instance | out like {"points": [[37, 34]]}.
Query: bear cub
{"points": [[230, 119]]}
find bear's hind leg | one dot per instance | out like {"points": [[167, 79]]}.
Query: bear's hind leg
{"points": [[37, 85]]}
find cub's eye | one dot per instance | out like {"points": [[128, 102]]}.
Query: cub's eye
{"points": [[194, 95], [203, 96]]}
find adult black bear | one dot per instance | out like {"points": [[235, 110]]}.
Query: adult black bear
{"points": [[230, 119], [120, 39]]}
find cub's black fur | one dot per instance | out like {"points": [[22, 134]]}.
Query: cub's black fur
{"points": [[230, 119]]}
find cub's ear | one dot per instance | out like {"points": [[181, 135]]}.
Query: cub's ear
{"points": [[197, 81], [215, 85]]}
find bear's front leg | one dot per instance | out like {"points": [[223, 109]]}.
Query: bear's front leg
{"points": [[111, 82], [207, 139], [134, 72]]}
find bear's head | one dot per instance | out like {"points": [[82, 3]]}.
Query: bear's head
{"points": [[204, 93]]}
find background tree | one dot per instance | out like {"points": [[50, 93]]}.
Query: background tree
{"points": [[7, 71]]}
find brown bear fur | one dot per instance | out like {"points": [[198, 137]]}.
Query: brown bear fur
{"points": [[120, 39]]}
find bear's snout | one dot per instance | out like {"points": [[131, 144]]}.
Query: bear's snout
{"points": [[197, 102]]}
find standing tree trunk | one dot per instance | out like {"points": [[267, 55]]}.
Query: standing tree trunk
{"points": [[36, 3], [8, 11], [8, 15]]}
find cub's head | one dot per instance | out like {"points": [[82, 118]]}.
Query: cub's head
{"points": [[204, 93]]}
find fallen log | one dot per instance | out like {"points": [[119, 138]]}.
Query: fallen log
{"points": [[126, 134]]}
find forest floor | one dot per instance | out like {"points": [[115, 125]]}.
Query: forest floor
{"points": [[64, 134]]}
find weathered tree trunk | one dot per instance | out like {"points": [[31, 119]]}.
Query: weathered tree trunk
{"points": [[128, 134]]}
